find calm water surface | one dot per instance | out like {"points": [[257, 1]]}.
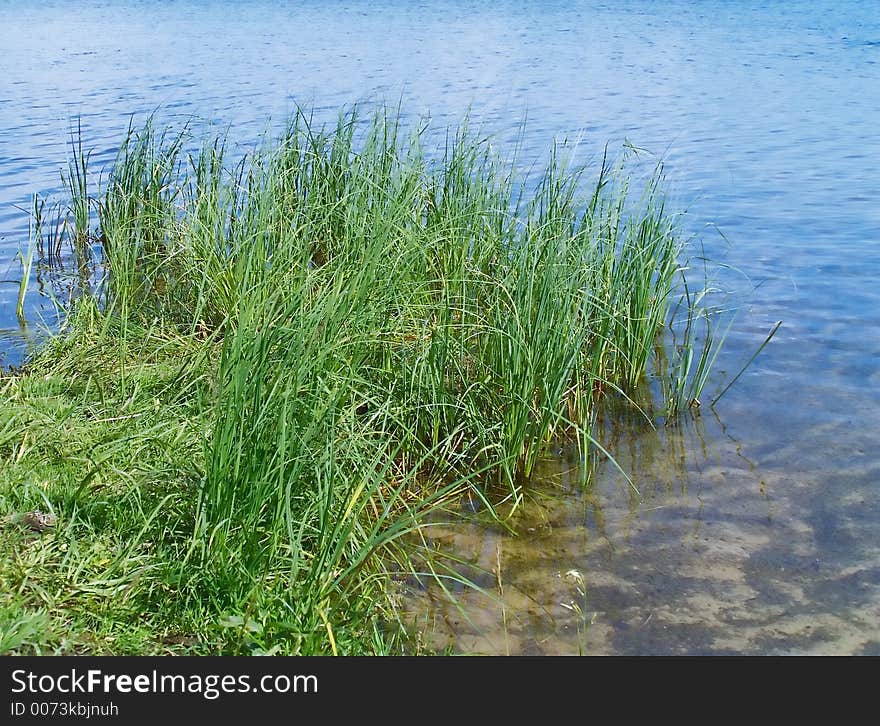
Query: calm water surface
{"points": [[757, 525]]}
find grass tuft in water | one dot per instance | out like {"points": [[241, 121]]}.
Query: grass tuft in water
{"points": [[278, 365]]}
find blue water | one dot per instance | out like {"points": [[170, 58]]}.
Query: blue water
{"points": [[765, 115]]}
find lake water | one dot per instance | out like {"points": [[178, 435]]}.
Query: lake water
{"points": [[758, 525]]}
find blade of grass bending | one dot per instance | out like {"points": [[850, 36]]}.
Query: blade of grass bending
{"points": [[748, 363], [26, 264]]}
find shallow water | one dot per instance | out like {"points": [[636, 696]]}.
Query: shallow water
{"points": [[757, 525]]}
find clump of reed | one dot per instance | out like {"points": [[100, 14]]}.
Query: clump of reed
{"points": [[371, 328]]}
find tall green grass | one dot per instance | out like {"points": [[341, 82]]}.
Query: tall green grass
{"points": [[356, 330]]}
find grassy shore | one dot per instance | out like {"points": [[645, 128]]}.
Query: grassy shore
{"points": [[275, 367]]}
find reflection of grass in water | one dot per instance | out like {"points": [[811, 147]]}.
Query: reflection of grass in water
{"points": [[284, 363]]}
